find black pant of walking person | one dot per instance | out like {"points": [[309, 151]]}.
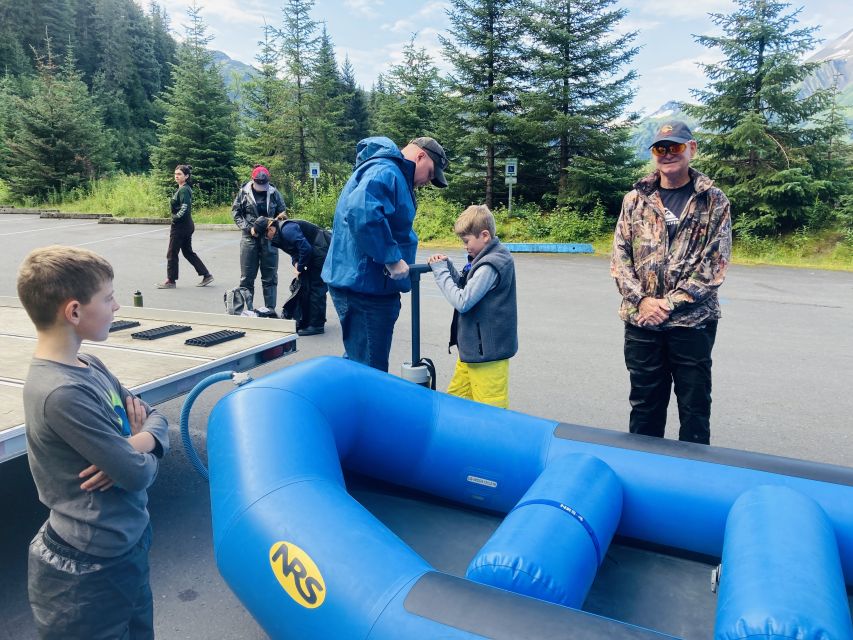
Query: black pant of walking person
{"points": [[181, 233], [181, 241]]}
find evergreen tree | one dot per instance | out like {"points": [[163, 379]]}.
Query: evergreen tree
{"points": [[356, 118], [757, 144], [127, 78], [411, 105], [56, 141], [299, 50], [198, 127], [261, 137], [326, 107], [484, 49], [575, 108], [165, 49]]}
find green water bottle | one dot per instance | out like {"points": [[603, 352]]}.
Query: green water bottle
{"points": [[137, 299]]}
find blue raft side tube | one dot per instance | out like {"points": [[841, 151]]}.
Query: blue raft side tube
{"points": [[485, 456], [276, 447], [275, 478], [684, 502], [551, 544], [781, 575]]}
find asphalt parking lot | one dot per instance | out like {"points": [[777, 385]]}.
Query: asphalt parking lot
{"points": [[783, 374]]}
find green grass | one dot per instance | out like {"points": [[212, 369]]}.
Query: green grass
{"points": [[138, 196]]}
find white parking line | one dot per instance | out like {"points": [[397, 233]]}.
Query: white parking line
{"points": [[67, 226], [129, 235]]}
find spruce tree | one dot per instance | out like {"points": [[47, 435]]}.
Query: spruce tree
{"points": [[56, 140], [261, 136], [575, 108], [356, 117], [326, 108], [299, 50], [484, 48], [410, 105], [198, 126], [758, 141]]}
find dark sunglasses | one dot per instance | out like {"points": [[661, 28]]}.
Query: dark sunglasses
{"points": [[660, 150]]}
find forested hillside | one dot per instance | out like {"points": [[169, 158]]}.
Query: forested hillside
{"points": [[91, 88]]}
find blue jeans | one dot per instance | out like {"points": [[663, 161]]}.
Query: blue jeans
{"points": [[367, 324]]}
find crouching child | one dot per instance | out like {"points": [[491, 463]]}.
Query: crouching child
{"points": [[485, 317], [93, 452]]}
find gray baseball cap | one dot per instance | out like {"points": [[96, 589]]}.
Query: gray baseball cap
{"points": [[674, 131], [439, 158]]}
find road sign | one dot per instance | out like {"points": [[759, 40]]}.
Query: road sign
{"points": [[510, 180], [314, 169], [511, 167]]}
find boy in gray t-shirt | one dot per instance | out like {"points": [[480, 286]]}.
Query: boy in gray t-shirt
{"points": [[93, 451]]}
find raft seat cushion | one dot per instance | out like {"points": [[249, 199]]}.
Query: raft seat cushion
{"points": [[781, 571], [551, 544]]}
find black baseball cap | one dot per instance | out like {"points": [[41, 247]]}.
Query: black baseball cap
{"points": [[261, 224], [439, 158], [675, 131]]}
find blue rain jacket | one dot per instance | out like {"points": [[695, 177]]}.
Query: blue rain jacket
{"points": [[373, 221]]}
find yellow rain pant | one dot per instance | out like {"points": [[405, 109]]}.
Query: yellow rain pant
{"points": [[486, 382]]}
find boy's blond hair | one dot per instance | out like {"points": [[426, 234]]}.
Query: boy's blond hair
{"points": [[50, 276], [474, 220]]}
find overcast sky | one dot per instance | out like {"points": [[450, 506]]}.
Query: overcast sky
{"points": [[373, 32]]}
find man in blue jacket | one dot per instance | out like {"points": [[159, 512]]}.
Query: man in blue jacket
{"points": [[373, 242]]}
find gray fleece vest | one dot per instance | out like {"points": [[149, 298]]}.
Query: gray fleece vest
{"points": [[489, 330]]}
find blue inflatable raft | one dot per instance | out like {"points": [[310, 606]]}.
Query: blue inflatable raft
{"points": [[310, 561]]}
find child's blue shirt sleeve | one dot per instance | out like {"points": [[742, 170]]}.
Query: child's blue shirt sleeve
{"points": [[484, 280]]}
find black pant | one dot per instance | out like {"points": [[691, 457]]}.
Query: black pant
{"points": [[656, 360], [77, 595], [312, 294], [181, 239]]}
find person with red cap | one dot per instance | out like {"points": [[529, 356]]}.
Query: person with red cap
{"points": [[258, 198]]}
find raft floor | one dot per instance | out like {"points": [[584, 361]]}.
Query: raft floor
{"points": [[670, 593]]}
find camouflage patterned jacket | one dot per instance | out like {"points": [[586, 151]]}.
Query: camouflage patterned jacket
{"points": [[688, 271]]}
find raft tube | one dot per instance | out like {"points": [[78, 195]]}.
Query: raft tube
{"points": [[310, 562]]}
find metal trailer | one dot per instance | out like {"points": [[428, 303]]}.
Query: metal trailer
{"points": [[156, 370]]}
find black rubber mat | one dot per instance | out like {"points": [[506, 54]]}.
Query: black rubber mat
{"points": [[118, 325], [217, 337], [161, 332]]}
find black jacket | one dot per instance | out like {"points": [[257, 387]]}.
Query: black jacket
{"points": [[244, 210]]}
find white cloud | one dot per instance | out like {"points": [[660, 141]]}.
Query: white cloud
{"points": [[686, 66], [667, 11], [365, 8]]}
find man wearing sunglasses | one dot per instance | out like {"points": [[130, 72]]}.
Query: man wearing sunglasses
{"points": [[671, 248], [373, 243]]}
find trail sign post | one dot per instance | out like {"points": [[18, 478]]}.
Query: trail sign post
{"points": [[314, 171], [511, 178]]}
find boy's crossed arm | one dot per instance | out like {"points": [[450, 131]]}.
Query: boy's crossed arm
{"points": [[81, 419], [141, 441]]}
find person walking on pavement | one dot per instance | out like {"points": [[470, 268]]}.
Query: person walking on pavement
{"points": [[181, 232], [258, 198]]}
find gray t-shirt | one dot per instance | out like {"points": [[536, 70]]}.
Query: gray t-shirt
{"points": [[75, 417]]}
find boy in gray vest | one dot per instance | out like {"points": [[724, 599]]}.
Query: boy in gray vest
{"points": [[485, 317], [93, 451]]}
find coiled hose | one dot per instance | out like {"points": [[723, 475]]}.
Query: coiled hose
{"points": [[238, 379]]}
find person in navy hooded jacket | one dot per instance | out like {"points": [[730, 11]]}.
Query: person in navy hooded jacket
{"points": [[373, 243]]}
